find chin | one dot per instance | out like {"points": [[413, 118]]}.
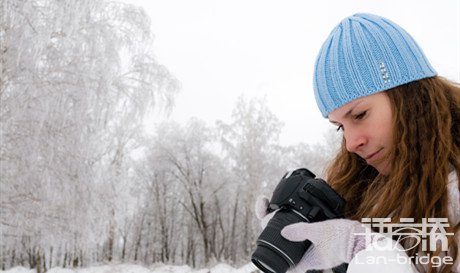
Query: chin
{"points": [[383, 169]]}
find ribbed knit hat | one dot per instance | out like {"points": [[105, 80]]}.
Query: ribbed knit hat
{"points": [[363, 55]]}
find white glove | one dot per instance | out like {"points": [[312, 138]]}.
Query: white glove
{"points": [[261, 210], [333, 242]]}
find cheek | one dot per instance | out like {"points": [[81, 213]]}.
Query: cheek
{"points": [[386, 129], [388, 134]]}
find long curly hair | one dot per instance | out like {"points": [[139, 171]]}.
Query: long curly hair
{"points": [[426, 137]]}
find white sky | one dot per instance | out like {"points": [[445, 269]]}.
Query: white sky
{"points": [[219, 50]]}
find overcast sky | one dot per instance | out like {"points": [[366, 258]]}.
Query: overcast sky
{"points": [[220, 50]]}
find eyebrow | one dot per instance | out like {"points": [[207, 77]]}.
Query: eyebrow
{"points": [[347, 114]]}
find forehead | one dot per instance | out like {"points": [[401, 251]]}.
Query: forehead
{"points": [[346, 109]]}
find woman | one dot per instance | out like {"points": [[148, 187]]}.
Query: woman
{"points": [[399, 158]]}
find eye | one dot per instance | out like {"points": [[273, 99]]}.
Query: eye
{"points": [[360, 115], [339, 128]]}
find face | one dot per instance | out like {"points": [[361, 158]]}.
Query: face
{"points": [[367, 128]]}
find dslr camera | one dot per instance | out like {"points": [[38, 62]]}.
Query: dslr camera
{"points": [[298, 197]]}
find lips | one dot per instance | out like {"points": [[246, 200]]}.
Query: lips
{"points": [[372, 156]]}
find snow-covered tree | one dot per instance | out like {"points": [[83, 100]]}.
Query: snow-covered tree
{"points": [[314, 157], [251, 144], [186, 192], [76, 79]]}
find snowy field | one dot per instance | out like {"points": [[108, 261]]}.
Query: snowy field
{"points": [[126, 268]]}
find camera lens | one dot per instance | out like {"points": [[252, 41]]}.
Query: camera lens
{"points": [[274, 266], [274, 253]]}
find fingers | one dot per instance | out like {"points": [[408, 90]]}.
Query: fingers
{"points": [[318, 232], [296, 232], [267, 218], [261, 206], [314, 232], [333, 242]]}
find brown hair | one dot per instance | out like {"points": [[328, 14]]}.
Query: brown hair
{"points": [[426, 137]]}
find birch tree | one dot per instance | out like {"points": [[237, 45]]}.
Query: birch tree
{"points": [[187, 193], [77, 78], [251, 145]]}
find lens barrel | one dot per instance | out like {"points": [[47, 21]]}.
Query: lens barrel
{"points": [[298, 197], [274, 253]]}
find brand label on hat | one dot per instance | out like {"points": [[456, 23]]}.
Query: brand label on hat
{"points": [[384, 73]]}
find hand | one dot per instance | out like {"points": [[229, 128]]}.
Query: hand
{"points": [[261, 207], [261, 210], [333, 242]]}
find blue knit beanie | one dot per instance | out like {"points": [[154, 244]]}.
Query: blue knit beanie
{"points": [[363, 55]]}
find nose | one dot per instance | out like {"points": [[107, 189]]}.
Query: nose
{"points": [[354, 140]]}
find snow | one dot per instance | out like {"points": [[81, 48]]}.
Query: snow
{"points": [[129, 268]]}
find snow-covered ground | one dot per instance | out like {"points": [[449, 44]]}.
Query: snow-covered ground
{"points": [[127, 268]]}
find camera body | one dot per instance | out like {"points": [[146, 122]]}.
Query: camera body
{"points": [[298, 197]]}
